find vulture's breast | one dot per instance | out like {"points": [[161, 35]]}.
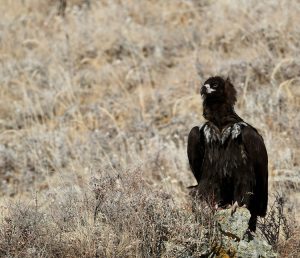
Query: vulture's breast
{"points": [[225, 153]]}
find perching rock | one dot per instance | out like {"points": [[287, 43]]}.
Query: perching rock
{"points": [[233, 225], [235, 240], [230, 238]]}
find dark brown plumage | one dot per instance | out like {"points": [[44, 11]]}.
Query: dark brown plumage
{"points": [[228, 156]]}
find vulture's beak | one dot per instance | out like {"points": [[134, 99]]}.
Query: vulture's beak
{"points": [[206, 89]]}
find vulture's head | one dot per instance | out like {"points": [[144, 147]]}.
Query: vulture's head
{"points": [[216, 89]]}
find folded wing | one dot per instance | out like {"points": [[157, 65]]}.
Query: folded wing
{"points": [[195, 151], [257, 155]]}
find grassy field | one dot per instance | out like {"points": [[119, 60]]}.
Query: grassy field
{"points": [[96, 104]]}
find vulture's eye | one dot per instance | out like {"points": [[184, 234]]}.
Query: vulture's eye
{"points": [[215, 86]]}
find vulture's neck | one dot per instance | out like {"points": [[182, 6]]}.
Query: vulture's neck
{"points": [[220, 114]]}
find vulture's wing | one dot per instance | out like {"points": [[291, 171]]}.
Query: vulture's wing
{"points": [[195, 151], [258, 157]]}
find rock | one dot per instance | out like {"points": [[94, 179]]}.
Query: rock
{"points": [[235, 240], [255, 248], [233, 225], [229, 238]]}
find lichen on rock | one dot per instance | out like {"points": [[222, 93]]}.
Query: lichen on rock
{"points": [[234, 225]]}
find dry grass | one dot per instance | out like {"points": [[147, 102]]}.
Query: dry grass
{"points": [[100, 102]]}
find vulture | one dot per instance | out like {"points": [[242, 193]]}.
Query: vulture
{"points": [[227, 155]]}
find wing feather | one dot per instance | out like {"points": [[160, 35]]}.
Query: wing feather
{"points": [[195, 151], [257, 155]]}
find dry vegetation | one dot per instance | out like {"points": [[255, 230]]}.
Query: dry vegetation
{"points": [[96, 106]]}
